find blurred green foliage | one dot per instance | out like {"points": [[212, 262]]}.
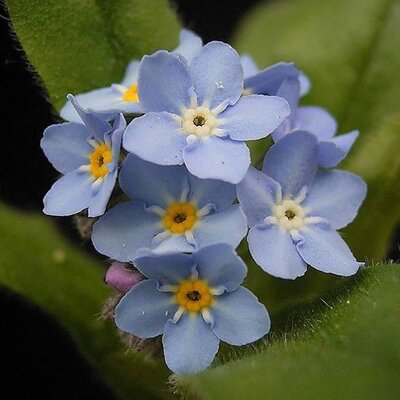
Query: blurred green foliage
{"points": [[77, 46]]}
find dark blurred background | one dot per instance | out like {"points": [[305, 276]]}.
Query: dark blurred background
{"points": [[37, 357]]}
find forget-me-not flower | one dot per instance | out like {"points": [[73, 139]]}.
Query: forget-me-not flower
{"points": [[294, 211], [87, 155], [171, 211], [269, 80], [123, 97], [285, 80], [194, 301], [195, 113]]}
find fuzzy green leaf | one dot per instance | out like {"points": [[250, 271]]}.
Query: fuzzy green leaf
{"points": [[350, 51], [36, 261], [347, 348], [77, 46]]}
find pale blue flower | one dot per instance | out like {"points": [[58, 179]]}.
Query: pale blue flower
{"points": [[123, 97], [285, 80], [87, 155], [194, 301], [171, 211], [195, 114], [294, 210]]}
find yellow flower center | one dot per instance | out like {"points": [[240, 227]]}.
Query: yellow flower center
{"points": [[194, 295], [100, 156], [131, 94], [180, 217]]}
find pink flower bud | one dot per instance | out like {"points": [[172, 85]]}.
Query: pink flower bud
{"points": [[121, 278]]}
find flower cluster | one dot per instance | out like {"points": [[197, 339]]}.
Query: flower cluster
{"points": [[173, 192]]}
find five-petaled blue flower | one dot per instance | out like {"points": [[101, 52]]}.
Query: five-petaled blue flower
{"points": [[87, 155], [123, 97], [171, 211], [195, 114], [294, 211], [285, 80], [194, 301]]}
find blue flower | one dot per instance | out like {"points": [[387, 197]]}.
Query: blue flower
{"points": [[171, 211], [294, 210], [269, 80], [123, 97], [195, 114], [285, 80], [194, 301], [87, 155]]}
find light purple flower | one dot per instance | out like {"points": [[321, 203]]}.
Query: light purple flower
{"points": [[294, 210], [87, 155], [195, 114], [194, 301]]}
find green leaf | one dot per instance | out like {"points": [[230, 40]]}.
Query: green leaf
{"points": [[77, 46], [350, 51], [36, 261], [346, 349]]}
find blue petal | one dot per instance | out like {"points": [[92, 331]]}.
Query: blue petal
{"points": [[274, 251], [324, 249], [290, 91], [317, 121], [217, 75], [329, 155], [205, 191], [100, 199], [164, 83], [116, 138], [254, 117], [305, 84], [292, 161], [227, 226], [144, 310], [220, 266], [269, 80], [257, 194], [103, 101], [151, 183], [124, 229], [346, 141], [250, 67], [239, 318], [66, 146], [336, 196], [217, 158], [131, 74], [95, 124], [155, 137], [165, 268], [189, 46], [175, 243], [189, 345], [69, 195], [335, 150]]}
